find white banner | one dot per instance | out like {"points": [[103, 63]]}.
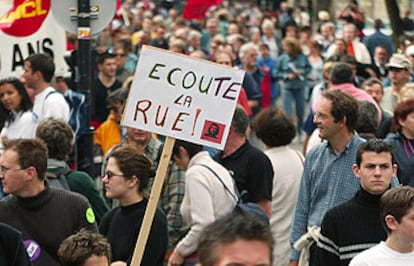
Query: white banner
{"points": [[182, 97], [28, 27]]}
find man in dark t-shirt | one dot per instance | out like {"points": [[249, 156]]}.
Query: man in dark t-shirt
{"points": [[249, 166], [103, 85]]}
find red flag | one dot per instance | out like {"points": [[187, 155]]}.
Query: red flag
{"points": [[197, 8]]}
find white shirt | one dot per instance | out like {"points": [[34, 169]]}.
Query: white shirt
{"points": [[205, 198], [287, 168], [23, 126], [381, 255], [50, 103]]}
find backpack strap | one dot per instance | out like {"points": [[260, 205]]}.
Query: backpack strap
{"points": [[50, 92], [60, 176], [44, 99], [236, 199]]}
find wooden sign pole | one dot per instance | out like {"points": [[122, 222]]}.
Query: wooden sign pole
{"points": [[153, 201]]}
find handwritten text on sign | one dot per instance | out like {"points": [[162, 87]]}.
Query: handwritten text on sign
{"points": [[182, 97]]}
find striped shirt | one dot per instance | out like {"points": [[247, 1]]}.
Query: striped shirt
{"points": [[327, 180]]}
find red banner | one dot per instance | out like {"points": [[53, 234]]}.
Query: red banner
{"points": [[197, 8]]}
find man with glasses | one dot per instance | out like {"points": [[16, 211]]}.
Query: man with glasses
{"points": [[44, 215], [399, 68], [58, 136], [327, 178]]}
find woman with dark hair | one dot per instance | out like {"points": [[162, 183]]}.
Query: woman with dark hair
{"points": [[15, 104], [402, 140], [126, 177], [277, 131], [205, 197], [292, 69]]}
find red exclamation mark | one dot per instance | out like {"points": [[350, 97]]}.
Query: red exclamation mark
{"points": [[198, 111]]}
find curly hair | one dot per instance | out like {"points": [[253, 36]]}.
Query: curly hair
{"points": [[77, 248], [58, 136], [343, 105]]}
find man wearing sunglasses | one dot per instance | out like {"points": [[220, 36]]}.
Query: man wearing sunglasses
{"points": [[44, 215]]}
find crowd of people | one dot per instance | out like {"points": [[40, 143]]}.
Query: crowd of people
{"points": [[346, 199]]}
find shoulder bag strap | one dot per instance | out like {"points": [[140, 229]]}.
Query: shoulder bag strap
{"points": [[300, 158], [221, 181]]}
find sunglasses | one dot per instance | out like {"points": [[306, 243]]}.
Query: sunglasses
{"points": [[109, 174]]}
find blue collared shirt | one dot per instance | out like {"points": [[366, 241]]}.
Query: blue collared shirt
{"points": [[327, 181]]}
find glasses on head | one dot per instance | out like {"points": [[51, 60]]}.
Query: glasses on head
{"points": [[4, 170], [109, 174]]}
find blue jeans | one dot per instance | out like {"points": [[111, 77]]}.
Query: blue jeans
{"points": [[296, 96]]}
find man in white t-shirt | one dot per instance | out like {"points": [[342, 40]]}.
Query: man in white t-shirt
{"points": [[397, 217], [38, 73]]}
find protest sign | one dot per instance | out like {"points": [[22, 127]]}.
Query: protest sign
{"points": [[182, 97], [179, 97], [28, 27]]}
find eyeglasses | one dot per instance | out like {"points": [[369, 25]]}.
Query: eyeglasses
{"points": [[320, 116], [109, 174], [4, 170]]}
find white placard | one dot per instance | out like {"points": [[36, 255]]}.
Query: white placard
{"points": [[182, 97], [48, 37]]}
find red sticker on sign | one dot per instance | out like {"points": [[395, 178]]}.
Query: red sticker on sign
{"points": [[213, 131], [25, 17]]}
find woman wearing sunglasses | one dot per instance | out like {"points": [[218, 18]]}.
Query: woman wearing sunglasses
{"points": [[16, 110], [126, 177]]}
